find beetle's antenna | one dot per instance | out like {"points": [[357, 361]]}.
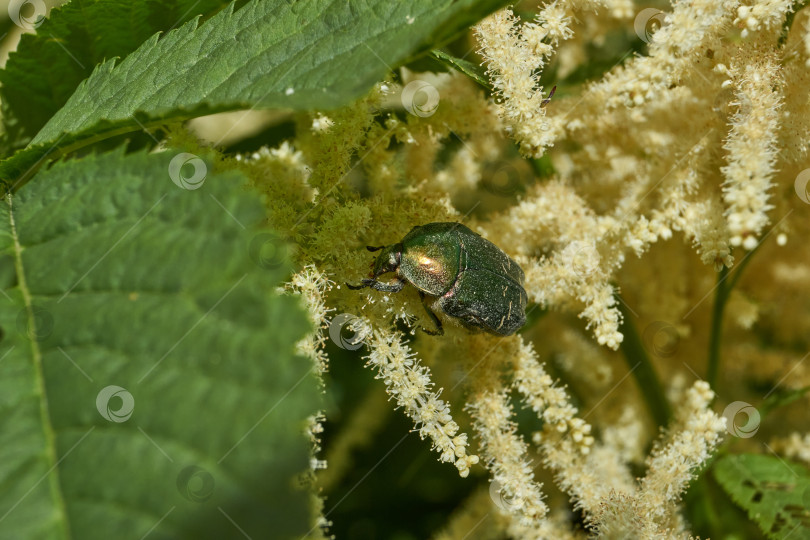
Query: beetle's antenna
{"points": [[374, 248]]}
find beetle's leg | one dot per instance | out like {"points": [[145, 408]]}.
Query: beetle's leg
{"points": [[395, 286], [439, 329], [374, 248]]}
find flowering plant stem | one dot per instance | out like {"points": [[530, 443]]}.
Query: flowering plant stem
{"points": [[720, 297], [721, 294], [642, 369]]}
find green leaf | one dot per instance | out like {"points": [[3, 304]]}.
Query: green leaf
{"points": [[473, 71], [46, 67], [712, 513], [267, 54], [121, 289], [774, 493]]}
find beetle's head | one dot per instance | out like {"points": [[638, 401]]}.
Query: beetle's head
{"points": [[387, 260]]}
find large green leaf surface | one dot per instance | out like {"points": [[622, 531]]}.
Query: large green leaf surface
{"points": [[303, 54], [47, 66], [148, 385], [774, 493]]}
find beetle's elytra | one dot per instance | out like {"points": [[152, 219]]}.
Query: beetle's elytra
{"points": [[468, 277]]}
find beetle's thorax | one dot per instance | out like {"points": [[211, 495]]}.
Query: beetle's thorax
{"points": [[430, 262]]}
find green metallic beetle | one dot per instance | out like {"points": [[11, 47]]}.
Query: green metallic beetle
{"points": [[469, 277]]}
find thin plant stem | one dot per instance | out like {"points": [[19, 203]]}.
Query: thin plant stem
{"points": [[726, 281], [735, 276], [720, 297], [644, 372]]}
